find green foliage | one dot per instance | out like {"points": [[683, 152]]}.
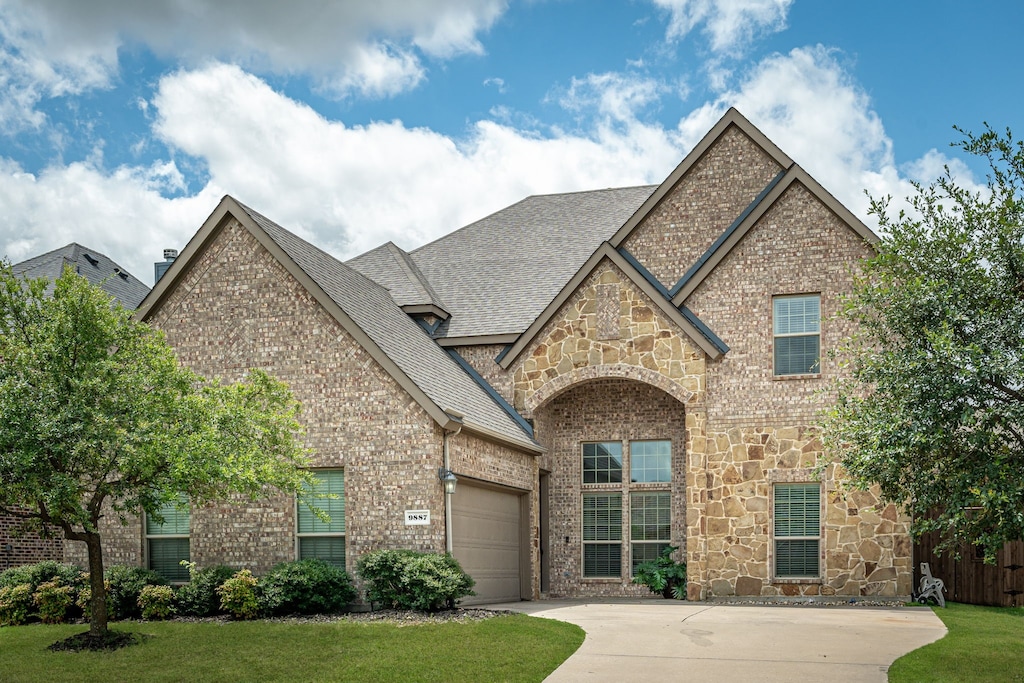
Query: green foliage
{"points": [[933, 408], [53, 599], [95, 411], [16, 604], [124, 586], [663, 575], [405, 579], [198, 597], [41, 572], [156, 602], [305, 587], [238, 595]]}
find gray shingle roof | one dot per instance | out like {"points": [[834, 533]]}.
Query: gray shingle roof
{"points": [[496, 275], [94, 266], [390, 266], [371, 307]]}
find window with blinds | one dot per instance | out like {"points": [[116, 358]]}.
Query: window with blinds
{"points": [[602, 534], [167, 542], [316, 538], [797, 530], [797, 333]]}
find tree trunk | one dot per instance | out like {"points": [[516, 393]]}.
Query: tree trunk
{"points": [[98, 601]]}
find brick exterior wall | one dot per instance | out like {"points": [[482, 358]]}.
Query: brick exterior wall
{"points": [[701, 206], [18, 547], [604, 410], [481, 358]]}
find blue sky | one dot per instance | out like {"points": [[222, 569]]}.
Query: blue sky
{"points": [[123, 123]]}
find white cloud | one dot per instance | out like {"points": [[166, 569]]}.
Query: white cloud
{"points": [[351, 188], [729, 24], [54, 47]]}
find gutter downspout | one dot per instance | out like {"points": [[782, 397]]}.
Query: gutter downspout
{"points": [[447, 496]]}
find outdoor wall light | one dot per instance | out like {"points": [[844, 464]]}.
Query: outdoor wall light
{"points": [[447, 478]]}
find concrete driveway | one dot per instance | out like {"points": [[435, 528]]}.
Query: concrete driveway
{"points": [[666, 640]]}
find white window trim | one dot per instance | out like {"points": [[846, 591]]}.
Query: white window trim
{"points": [[808, 578], [299, 535], [785, 335]]}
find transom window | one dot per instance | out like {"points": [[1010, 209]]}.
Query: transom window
{"points": [[167, 542], [602, 462], [797, 527], [650, 461], [797, 331], [316, 538]]}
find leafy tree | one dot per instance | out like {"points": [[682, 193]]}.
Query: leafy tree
{"points": [[97, 418], [933, 409]]}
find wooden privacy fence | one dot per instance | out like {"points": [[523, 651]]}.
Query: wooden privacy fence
{"points": [[969, 579]]}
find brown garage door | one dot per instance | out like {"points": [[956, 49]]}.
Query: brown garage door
{"points": [[486, 530]]}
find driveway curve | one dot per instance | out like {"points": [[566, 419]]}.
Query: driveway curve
{"points": [[666, 640]]}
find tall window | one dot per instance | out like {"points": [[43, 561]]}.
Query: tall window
{"points": [[602, 534], [316, 538], [167, 542], [797, 530], [647, 528], [650, 528], [797, 329]]}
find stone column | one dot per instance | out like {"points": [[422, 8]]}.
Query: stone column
{"points": [[696, 502]]}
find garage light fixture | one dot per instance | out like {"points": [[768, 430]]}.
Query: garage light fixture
{"points": [[447, 478]]}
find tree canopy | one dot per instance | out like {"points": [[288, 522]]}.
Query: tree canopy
{"points": [[933, 407], [97, 417]]}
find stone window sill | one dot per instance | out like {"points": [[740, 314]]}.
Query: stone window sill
{"points": [[601, 579], [806, 581], [785, 378]]}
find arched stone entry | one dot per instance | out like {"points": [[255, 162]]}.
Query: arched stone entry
{"points": [[640, 418]]}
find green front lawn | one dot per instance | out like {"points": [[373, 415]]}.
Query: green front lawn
{"points": [[505, 648], [983, 644]]}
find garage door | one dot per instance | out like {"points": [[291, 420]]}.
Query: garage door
{"points": [[486, 530]]}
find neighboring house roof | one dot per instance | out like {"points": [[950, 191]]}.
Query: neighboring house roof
{"points": [[96, 267], [367, 311], [496, 275]]}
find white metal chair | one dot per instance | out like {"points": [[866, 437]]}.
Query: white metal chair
{"points": [[930, 587]]}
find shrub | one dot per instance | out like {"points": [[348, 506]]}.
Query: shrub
{"points": [[238, 595], [16, 604], [663, 575], [405, 579], [305, 587], [124, 586], [41, 572], [156, 602], [54, 598], [198, 597]]}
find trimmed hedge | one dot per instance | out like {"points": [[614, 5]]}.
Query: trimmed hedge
{"points": [[406, 579], [305, 587]]}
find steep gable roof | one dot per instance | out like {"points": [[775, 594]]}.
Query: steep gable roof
{"points": [[96, 267], [685, 320], [689, 282], [365, 310], [390, 266], [732, 118], [496, 275]]}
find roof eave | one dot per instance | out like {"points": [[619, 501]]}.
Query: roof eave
{"points": [[230, 208]]}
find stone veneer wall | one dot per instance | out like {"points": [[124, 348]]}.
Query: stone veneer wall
{"points": [[715, 191], [604, 410], [608, 327], [864, 550]]}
